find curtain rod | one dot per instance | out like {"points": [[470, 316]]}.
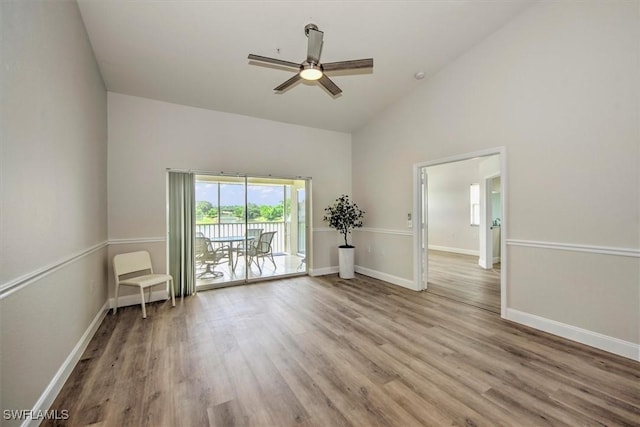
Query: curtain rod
{"points": [[237, 174]]}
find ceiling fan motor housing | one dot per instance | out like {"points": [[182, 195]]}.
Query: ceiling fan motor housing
{"points": [[309, 27]]}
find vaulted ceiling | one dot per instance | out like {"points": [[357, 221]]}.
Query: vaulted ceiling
{"points": [[195, 52]]}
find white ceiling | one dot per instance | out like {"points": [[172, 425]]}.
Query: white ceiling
{"points": [[195, 52]]}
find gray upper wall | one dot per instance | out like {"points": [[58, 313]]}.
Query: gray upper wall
{"points": [[53, 195], [54, 138], [558, 87]]}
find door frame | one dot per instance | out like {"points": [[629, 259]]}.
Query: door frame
{"points": [[420, 230], [486, 228]]}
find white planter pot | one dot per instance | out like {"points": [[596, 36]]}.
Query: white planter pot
{"points": [[345, 261]]}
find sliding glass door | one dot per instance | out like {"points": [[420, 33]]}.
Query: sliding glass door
{"points": [[248, 229]]}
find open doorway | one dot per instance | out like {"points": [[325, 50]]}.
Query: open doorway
{"points": [[459, 202]]}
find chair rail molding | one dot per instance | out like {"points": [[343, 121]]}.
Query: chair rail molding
{"points": [[137, 240], [393, 231], [572, 247], [18, 283]]}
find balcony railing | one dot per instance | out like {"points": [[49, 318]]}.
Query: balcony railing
{"points": [[238, 229]]}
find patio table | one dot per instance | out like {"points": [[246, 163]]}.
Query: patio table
{"points": [[231, 240]]}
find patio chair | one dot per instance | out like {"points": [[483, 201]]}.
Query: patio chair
{"points": [[138, 265], [260, 250], [251, 235], [207, 258], [254, 233]]}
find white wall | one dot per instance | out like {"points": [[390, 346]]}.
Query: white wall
{"points": [[448, 207], [558, 87], [53, 195], [146, 137]]}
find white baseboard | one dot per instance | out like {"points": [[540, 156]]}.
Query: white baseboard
{"points": [[484, 264], [51, 391], [395, 280], [454, 250], [134, 299], [323, 271], [584, 336]]}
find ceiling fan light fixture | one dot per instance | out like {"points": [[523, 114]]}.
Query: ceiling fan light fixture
{"points": [[310, 72], [312, 69]]}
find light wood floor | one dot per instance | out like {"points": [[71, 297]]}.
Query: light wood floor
{"points": [[329, 352], [460, 278]]}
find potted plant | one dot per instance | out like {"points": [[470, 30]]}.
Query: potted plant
{"points": [[344, 215]]}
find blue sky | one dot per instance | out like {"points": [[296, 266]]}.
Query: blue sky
{"points": [[233, 194]]}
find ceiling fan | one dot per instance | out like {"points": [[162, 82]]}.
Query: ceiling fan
{"points": [[312, 69]]}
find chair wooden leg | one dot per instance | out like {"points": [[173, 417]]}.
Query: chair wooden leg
{"points": [[115, 306], [144, 311], [173, 293]]}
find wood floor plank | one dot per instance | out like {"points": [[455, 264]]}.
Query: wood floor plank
{"points": [[371, 403], [321, 409], [460, 278], [250, 402], [227, 414], [595, 408], [422, 389], [325, 351], [283, 405]]}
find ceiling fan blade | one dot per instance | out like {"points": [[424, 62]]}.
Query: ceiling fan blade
{"points": [[273, 61], [329, 85], [314, 46], [288, 83], [348, 65]]}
